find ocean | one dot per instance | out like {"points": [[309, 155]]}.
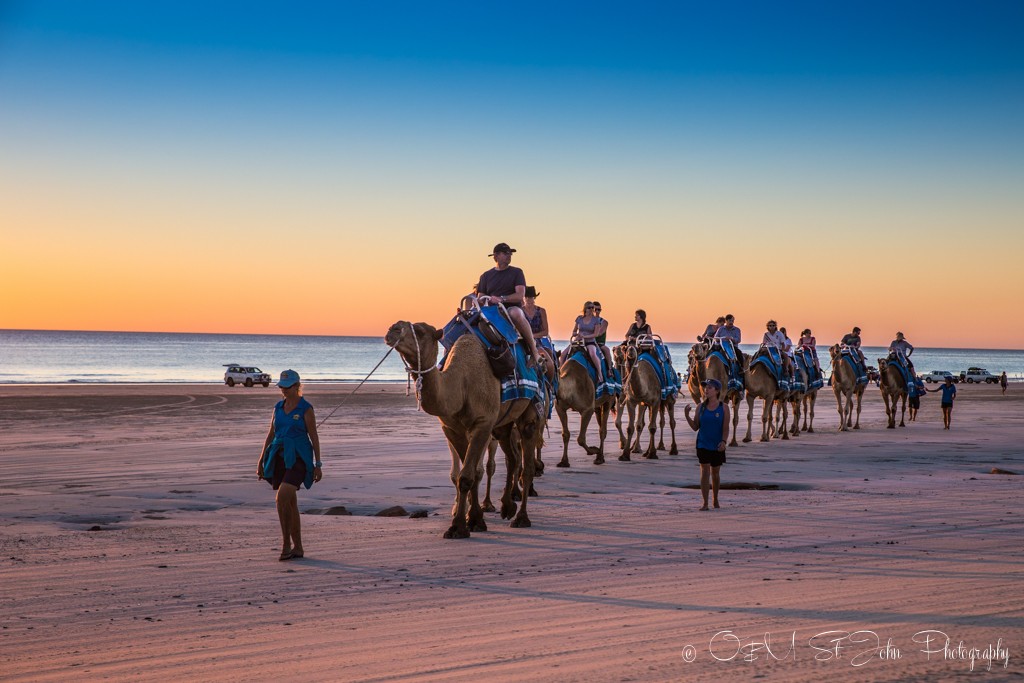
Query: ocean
{"points": [[47, 357]]}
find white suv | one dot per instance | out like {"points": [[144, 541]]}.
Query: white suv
{"points": [[978, 375], [247, 375], [936, 376]]}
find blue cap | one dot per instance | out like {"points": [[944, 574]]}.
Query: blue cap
{"points": [[288, 378], [713, 383]]}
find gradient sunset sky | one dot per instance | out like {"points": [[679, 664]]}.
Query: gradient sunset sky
{"points": [[329, 168]]}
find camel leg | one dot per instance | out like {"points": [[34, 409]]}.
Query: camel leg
{"points": [[750, 418], [467, 480], [618, 422], [735, 418], [563, 417], [529, 444], [860, 395], [492, 446], [903, 409], [652, 451], [841, 409], [785, 420], [890, 413], [661, 427], [457, 444], [512, 460], [602, 431], [674, 450], [585, 418], [766, 416], [631, 415], [641, 410], [809, 413]]}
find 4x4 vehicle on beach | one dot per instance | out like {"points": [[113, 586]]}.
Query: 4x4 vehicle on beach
{"points": [[978, 375], [938, 376], [245, 374]]}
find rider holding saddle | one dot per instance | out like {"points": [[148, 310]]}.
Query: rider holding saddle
{"points": [[506, 284], [639, 326], [901, 347], [586, 329], [774, 337]]}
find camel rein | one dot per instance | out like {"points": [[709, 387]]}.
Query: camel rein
{"points": [[320, 424], [418, 372]]}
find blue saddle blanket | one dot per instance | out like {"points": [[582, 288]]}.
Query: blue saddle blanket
{"points": [[858, 368], [805, 361], [523, 382], [732, 365], [771, 358], [666, 375], [911, 382], [471, 321], [612, 385]]}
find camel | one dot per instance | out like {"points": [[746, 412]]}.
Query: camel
{"points": [[576, 391], [704, 366], [844, 385], [642, 390], [466, 397], [760, 383], [893, 388]]}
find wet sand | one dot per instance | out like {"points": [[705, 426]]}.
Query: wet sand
{"points": [[136, 544]]}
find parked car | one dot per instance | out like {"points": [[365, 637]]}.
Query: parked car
{"points": [[245, 374], [938, 376], [978, 375]]}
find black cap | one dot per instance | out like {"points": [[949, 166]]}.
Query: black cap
{"points": [[502, 247]]}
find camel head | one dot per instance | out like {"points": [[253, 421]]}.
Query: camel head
{"points": [[698, 352], [833, 351], [403, 337]]}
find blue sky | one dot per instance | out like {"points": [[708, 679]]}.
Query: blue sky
{"points": [[896, 120]]}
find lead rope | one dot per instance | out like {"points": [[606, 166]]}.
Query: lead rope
{"points": [[356, 389]]}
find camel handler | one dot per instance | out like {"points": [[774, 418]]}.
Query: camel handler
{"points": [[506, 284]]}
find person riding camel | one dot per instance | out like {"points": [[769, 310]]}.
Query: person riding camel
{"points": [[852, 341], [586, 329], [710, 330], [732, 333], [538, 318], [602, 337], [901, 347], [808, 342], [506, 284], [639, 326], [777, 339]]}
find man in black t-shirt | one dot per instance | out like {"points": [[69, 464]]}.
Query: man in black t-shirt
{"points": [[506, 284], [853, 341]]}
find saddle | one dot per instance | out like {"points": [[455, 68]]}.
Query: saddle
{"points": [[771, 358], [859, 368], [495, 330]]}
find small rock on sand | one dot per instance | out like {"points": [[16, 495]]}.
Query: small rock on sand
{"points": [[418, 514], [997, 470], [337, 510], [393, 511]]}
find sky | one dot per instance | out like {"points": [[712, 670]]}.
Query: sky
{"points": [[330, 168]]}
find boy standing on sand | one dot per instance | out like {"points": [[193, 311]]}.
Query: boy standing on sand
{"points": [[1002, 382], [948, 396]]}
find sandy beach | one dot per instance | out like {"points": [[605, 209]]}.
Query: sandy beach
{"points": [[138, 545]]}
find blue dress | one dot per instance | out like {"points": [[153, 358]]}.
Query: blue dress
{"points": [[291, 441]]}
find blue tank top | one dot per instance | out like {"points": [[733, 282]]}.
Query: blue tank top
{"points": [[291, 440], [536, 321], [710, 433]]}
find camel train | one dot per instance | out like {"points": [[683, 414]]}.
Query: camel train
{"points": [[465, 395]]}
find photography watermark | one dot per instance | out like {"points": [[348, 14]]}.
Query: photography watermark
{"points": [[853, 648]]}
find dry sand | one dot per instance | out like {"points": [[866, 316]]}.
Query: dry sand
{"points": [[878, 533]]}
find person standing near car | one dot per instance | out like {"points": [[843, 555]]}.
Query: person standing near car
{"points": [[948, 396], [1002, 382], [291, 459]]}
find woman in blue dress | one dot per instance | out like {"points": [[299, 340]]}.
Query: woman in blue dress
{"points": [[712, 427], [290, 459]]}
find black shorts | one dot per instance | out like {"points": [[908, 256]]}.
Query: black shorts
{"points": [[296, 475], [713, 458], [947, 405], [915, 402]]}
